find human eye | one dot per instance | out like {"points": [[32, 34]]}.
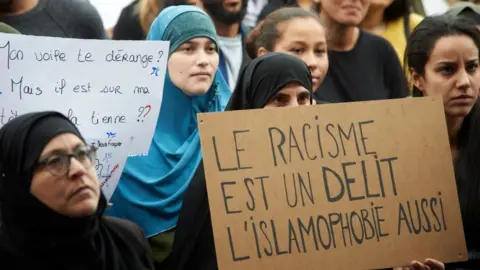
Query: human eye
{"points": [[297, 50], [472, 67]]}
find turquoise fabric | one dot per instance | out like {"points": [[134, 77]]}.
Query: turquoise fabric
{"points": [[151, 188]]}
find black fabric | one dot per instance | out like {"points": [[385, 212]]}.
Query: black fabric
{"points": [[467, 174], [259, 81], [33, 236], [370, 71], [128, 26], [264, 76]]}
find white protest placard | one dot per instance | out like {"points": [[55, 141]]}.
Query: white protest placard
{"points": [[112, 154], [103, 86]]}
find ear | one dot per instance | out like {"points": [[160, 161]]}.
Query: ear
{"points": [[261, 51], [417, 80]]}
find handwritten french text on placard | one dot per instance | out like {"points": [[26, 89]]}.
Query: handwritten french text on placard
{"points": [[101, 85], [337, 186]]}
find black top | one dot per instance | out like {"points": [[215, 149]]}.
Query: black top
{"points": [[60, 18], [128, 25], [370, 71], [467, 175]]}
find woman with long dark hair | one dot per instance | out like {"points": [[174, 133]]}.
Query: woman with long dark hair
{"points": [[443, 59]]}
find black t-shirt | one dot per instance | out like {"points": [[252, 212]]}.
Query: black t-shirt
{"points": [[128, 25], [370, 71]]}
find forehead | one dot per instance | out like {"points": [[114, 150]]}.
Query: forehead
{"points": [[65, 141], [302, 29], [453, 48], [199, 41], [293, 88]]}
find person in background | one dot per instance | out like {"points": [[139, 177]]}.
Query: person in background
{"points": [[467, 10], [151, 188], [362, 66], [392, 20], [135, 19], [227, 16], [254, 8], [273, 5], [54, 18], [443, 59], [52, 205], [274, 80], [294, 31]]}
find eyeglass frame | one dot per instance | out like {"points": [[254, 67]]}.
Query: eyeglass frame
{"points": [[43, 163]]}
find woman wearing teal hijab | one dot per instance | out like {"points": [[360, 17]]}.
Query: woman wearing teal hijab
{"points": [[151, 188]]}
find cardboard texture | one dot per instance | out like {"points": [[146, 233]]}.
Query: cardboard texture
{"points": [[339, 186]]}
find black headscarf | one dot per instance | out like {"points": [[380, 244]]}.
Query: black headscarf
{"points": [[32, 234], [259, 81], [264, 76]]}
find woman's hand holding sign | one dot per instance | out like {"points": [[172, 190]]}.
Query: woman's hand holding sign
{"points": [[429, 264]]}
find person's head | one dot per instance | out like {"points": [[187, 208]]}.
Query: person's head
{"points": [[227, 12], [274, 80], [193, 58], [344, 12], [465, 9], [442, 56], [44, 161], [294, 31]]}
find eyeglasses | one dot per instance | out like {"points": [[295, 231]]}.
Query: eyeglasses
{"points": [[59, 163]]}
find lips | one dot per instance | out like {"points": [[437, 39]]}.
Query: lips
{"points": [[78, 191], [201, 74], [463, 97]]}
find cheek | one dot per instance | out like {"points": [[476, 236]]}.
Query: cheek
{"points": [[435, 84], [48, 190], [177, 67], [214, 60]]}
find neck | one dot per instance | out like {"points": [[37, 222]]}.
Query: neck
{"points": [[228, 31], [374, 22], [339, 37], [454, 124], [22, 6]]}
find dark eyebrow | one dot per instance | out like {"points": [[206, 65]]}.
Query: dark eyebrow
{"points": [[58, 151]]}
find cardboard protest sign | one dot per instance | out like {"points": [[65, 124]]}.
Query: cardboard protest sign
{"points": [[338, 186], [103, 86], [112, 154]]}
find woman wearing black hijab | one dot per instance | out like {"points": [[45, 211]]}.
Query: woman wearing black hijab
{"points": [[273, 80], [52, 206]]}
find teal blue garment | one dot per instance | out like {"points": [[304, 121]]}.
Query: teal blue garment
{"points": [[151, 188]]}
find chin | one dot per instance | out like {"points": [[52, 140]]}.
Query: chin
{"points": [[458, 111], [200, 89], [83, 209]]}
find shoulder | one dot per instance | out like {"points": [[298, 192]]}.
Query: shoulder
{"points": [[81, 15], [415, 19], [127, 230]]}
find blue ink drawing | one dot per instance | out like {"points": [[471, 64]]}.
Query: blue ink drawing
{"points": [[155, 71], [111, 135]]}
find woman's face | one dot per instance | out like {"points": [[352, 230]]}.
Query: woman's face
{"points": [[305, 39], [193, 65], [345, 12], [74, 193], [452, 72], [291, 95]]}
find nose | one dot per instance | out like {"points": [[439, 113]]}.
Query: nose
{"points": [[202, 59], [311, 61], [463, 81], [293, 102], [76, 168]]}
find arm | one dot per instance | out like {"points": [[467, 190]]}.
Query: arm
{"points": [[394, 74]]}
